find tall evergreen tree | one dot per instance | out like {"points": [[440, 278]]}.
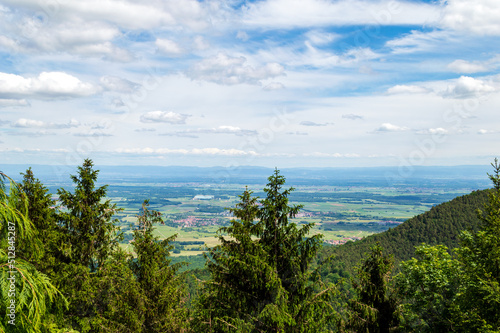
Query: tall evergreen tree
{"points": [[261, 276], [157, 278], [26, 294], [375, 307], [87, 221]]}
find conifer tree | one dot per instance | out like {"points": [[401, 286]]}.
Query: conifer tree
{"points": [[26, 294], [375, 307], [261, 276], [91, 232], [157, 278]]}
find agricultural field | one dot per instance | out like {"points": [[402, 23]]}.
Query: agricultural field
{"points": [[194, 212]]}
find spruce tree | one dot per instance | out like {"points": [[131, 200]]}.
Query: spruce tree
{"points": [[261, 276], [375, 307], [27, 296], [91, 232], [158, 279]]}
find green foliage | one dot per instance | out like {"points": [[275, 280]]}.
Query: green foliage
{"points": [[91, 271], [26, 293], [261, 278], [430, 285], [157, 278], [479, 255], [88, 222], [375, 307]]}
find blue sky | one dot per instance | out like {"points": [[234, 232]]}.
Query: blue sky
{"points": [[281, 83]]}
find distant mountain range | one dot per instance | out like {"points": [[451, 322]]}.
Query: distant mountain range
{"points": [[472, 176]]}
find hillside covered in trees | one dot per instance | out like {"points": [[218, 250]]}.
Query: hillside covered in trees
{"points": [[442, 224], [62, 270]]}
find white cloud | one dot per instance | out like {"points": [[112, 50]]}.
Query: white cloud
{"points": [[46, 85], [193, 151], [125, 13], [466, 87], [192, 133], [92, 133], [164, 117], [387, 127], [242, 35], [477, 17], [13, 102], [200, 43], [274, 86], [430, 131], [485, 131], [314, 13], [335, 155], [312, 123], [226, 70], [169, 47], [114, 83], [31, 123], [462, 66], [418, 41], [316, 37], [407, 89], [352, 116]]}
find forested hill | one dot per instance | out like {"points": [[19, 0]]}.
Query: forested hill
{"points": [[440, 225]]}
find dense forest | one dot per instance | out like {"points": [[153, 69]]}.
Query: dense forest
{"points": [[62, 269]]}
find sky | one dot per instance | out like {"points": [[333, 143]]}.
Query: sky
{"points": [[275, 83]]}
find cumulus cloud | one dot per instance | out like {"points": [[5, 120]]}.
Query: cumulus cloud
{"points": [[466, 87], [387, 127], [169, 47], [31, 123], [407, 89], [462, 66], [352, 116], [477, 17], [483, 131], [47, 85], [431, 131], [164, 117], [128, 14], [308, 13], [312, 123], [226, 70]]}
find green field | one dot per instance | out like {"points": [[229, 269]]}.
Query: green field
{"points": [[339, 213]]}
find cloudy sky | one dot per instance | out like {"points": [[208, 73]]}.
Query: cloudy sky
{"points": [[271, 82]]}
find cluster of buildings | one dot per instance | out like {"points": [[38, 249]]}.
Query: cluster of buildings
{"points": [[341, 241], [193, 221]]}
